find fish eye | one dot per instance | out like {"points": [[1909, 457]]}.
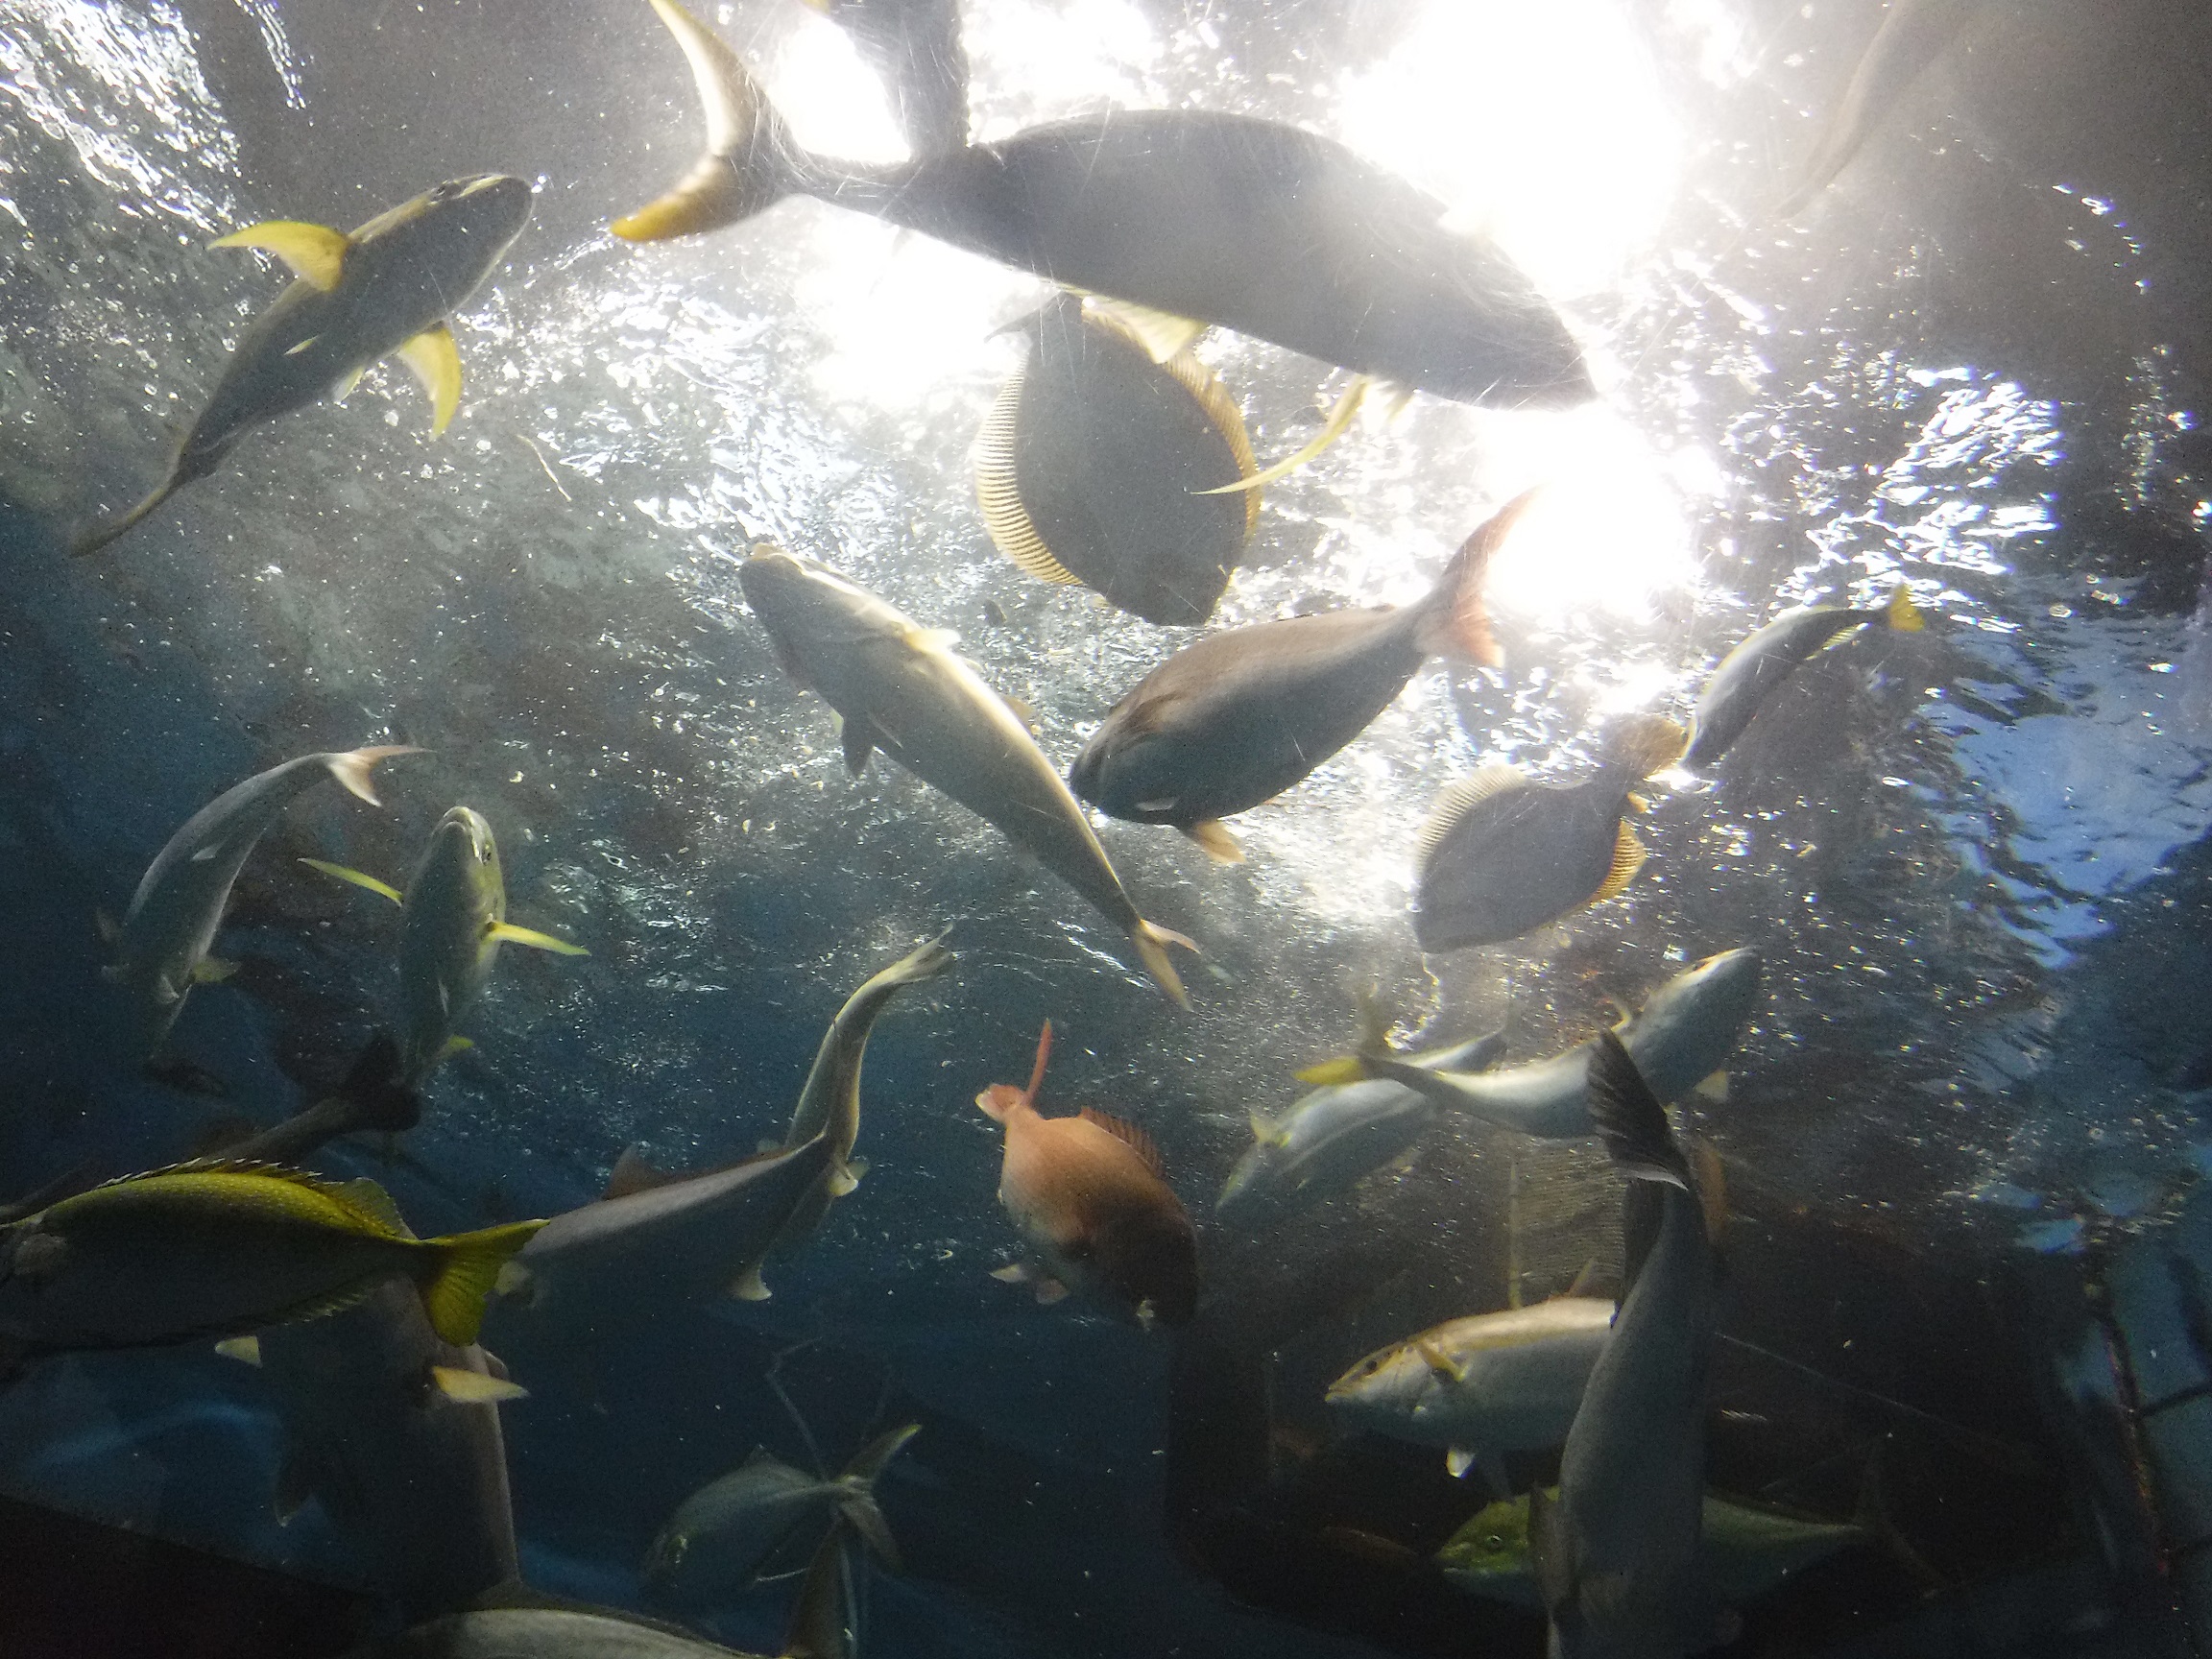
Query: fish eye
{"points": [[447, 191]]}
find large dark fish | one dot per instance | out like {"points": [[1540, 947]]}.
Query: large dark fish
{"points": [[1265, 228], [1237, 717], [386, 289], [1095, 464], [1502, 855], [1749, 674], [915, 46]]}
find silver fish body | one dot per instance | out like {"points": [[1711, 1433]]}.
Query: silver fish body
{"points": [[455, 900]]}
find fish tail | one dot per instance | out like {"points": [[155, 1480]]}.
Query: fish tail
{"points": [[750, 159], [1152, 941], [1643, 744], [821, 1623], [858, 1505], [374, 1093], [1458, 620], [1901, 613], [352, 767], [1631, 1121], [114, 529], [869, 1462], [464, 1269]]}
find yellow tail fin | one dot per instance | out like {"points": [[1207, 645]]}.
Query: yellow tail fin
{"points": [[466, 1266], [1152, 941], [1901, 613]]}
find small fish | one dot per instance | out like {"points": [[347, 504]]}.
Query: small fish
{"points": [[1482, 1386], [386, 289], [1680, 1039], [162, 947], [1095, 460], [454, 919], [725, 1534], [1501, 854], [1225, 219], [899, 687], [396, 1433], [1240, 716], [1091, 1198], [221, 1249], [1751, 673], [1618, 1554], [915, 46], [1337, 1133]]}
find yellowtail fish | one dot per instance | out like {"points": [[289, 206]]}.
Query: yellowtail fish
{"points": [[1237, 717], [162, 947], [1502, 855], [1225, 219], [1618, 1555], [454, 919], [1096, 461], [217, 1249], [915, 46], [899, 687], [1090, 1197], [1751, 673], [386, 289], [1483, 1385]]}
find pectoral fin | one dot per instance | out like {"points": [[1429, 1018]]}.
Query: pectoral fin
{"points": [[507, 933], [370, 882], [1213, 838], [465, 1387], [858, 738], [246, 1350], [434, 360], [213, 971], [315, 252], [750, 1285]]}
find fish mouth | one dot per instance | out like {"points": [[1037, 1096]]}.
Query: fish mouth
{"points": [[467, 820]]}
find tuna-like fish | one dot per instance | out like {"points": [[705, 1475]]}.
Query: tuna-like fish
{"points": [[899, 687], [219, 1249], [1257, 227], [162, 948], [915, 46], [726, 1533], [1502, 855], [1091, 1200], [454, 919], [1751, 673], [1483, 1385], [1618, 1554], [1240, 716], [1337, 1133], [1680, 1037], [386, 289], [1095, 463]]}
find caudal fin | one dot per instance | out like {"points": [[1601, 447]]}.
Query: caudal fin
{"points": [[821, 1618], [352, 767], [747, 164], [1630, 1121], [374, 1093], [114, 529], [1643, 744], [467, 1268], [1151, 941], [1458, 621], [1901, 613], [858, 1505]]}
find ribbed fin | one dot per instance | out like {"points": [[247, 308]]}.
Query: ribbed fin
{"points": [[1456, 801], [746, 165], [351, 767], [1130, 1136], [1627, 859], [1220, 408], [998, 493], [372, 1200], [1152, 941], [1643, 744], [467, 1268], [435, 362], [1213, 838], [315, 252], [1161, 335], [1339, 421]]}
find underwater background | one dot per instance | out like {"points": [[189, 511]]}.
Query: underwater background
{"points": [[1970, 858]]}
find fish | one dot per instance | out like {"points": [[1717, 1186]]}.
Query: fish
{"points": [[1749, 1549], [915, 47], [1266, 229], [1094, 1204], [1681, 1037], [386, 289], [454, 919], [396, 1433], [370, 1097], [1618, 1554], [1482, 1385], [162, 947], [1237, 718], [1501, 854], [1341, 1131], [899, 687], [725, 1534], [217, 1249], [1095, 462], [1749, 674]]}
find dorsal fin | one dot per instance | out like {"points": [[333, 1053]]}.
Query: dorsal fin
{"points": [[1627, 859], [633, 1173], [1457, 800], [1130, 1136], [369, 1199], [998, 494]]}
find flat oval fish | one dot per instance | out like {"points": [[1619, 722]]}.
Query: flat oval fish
{"points": [[386, 289], [1090, 1196], [1502, 855], [1095, 463], [1749, 674], [215, 1249], [1483, 1385], [1257, 227], [162, 946], [453, 921], [1237, 718], [915, 47], [898, 687]]}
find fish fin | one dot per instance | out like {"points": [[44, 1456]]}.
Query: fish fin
{"points": [[435, 362], [1214, 839], [1548, 1551], [106, 925], [1901, 613], [246, 1350], [465, 1387], [213, 971], [750, 1287], [767, 1143], [347, 384], [821, 1623], [746, 165], [1459, 798], [454, 1044], [1713, 1087], [1049, 1292], [1643, 744], [1161, 335], [1330, 1073], [998, 493], [633, 1173], [869, 1462], [1630, 1119], [865, 1520], [465, 1266], [1457, 1461], [1001, 1098], [315, 252], [1334, 427], [844, 1180], [997, 1100], [1712, 1188], [1013, 1273], [351, 767], [1440, 1362], [858, 737], [1627, 859], [1130, 1136], [1457, 623], [1151, 941], [1218, 406], [1025, 712], [367, 1198], [507, 933], [384, 889], [1265, 1130], [295, 1487]]}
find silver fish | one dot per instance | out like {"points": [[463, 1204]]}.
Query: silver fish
{"points": [[1746, 677]]}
